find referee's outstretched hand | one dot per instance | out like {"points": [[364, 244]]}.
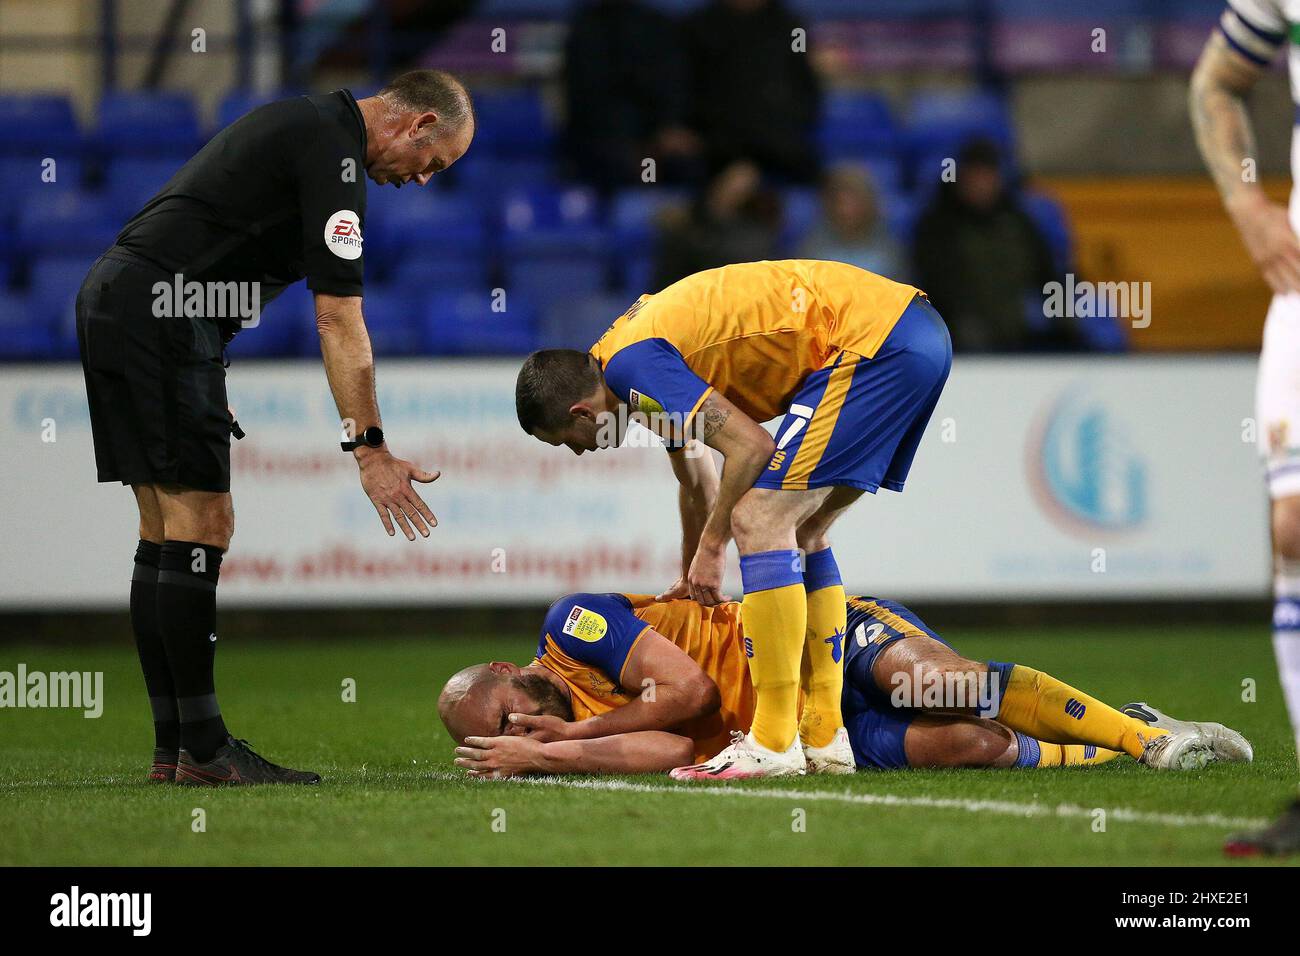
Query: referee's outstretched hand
{"points": [[387, 482]]}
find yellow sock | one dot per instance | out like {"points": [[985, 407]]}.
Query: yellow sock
{"points": [[1073, 755], [1040, 706], [774, 614], [823, 673]]}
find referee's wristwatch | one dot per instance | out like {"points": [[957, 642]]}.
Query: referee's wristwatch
{"points": [[372, 437]]}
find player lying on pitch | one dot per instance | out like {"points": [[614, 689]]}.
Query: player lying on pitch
{"points": [[623, 683], [852, 362]]}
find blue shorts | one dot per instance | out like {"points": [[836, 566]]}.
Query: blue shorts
{"points": [[876, 727], [858, 421]]}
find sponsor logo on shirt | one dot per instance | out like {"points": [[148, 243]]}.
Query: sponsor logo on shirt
{"points": [[343, 234], [640, 402], [585, 625]]}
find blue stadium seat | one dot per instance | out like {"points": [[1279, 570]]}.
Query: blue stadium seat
{"points": [[147, 124], [558, 222], [577, 324], [22, 177], [635, 275], [855, 125], [285, 328], [901, 212], [237, 103], [66, 222], [552, 279], [801, 208], [24, 333], [1104, 333], [20, 180], [489, 178], [634, 216], [446, 269], [132, 181], [886, 172], [940, 122], [53, 284], [428, 242], [424, 221], [1049, 215], [38, 125], [513, 123], [395, 320], [463, 323]]}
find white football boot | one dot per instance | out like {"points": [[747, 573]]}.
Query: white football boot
{"points": [[836, 757], [746, 758], [1179, 750], [1228, 745]]}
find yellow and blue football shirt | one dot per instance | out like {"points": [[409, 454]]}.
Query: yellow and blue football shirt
{"points": [[753, 331], [854, 360], [587, 639]]}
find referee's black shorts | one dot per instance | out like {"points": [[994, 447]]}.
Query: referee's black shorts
{"points": [[157, 386]]}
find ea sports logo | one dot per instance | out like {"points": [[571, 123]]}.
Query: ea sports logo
{"points": [[343, 234]]}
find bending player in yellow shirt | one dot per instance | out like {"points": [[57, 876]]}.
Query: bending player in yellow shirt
{"points": [[623, 683], [855, 363]]}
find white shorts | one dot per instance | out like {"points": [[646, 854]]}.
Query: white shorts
{"points": [[1277, 397]]}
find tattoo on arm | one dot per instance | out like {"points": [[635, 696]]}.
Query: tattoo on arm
{"points": [[1216, 100], [713, 419]]}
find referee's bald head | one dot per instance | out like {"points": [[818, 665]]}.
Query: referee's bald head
{"points": [[416, 126], [432, 91]]}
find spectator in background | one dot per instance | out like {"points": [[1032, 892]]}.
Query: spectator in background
{"points": [[851, 229], [625, 91], [735, 220], [752, 96], [983, 262]]}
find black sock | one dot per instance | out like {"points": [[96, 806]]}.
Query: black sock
{"points": [[149, 645], [187, 617]]}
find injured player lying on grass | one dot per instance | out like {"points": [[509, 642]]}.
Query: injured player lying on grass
{"points": [[624, 684]]}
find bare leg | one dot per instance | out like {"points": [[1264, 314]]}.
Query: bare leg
{"points": [[813, 533], [205, 517], [910, 665], [151, 519], [934, 741], [923, 673]]}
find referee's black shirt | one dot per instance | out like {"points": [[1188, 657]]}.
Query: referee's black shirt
{"points": [[276, 196]]}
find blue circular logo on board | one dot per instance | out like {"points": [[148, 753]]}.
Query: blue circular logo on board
{"points": [[1089, 471]]}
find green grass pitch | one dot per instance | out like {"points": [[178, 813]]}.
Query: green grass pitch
{"points": [[72, 793]]}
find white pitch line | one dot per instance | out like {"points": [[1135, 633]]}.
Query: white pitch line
{"points": [[997, 807], [1007, 808]]}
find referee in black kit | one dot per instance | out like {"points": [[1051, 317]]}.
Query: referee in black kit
{"points": [[275, 197]]}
